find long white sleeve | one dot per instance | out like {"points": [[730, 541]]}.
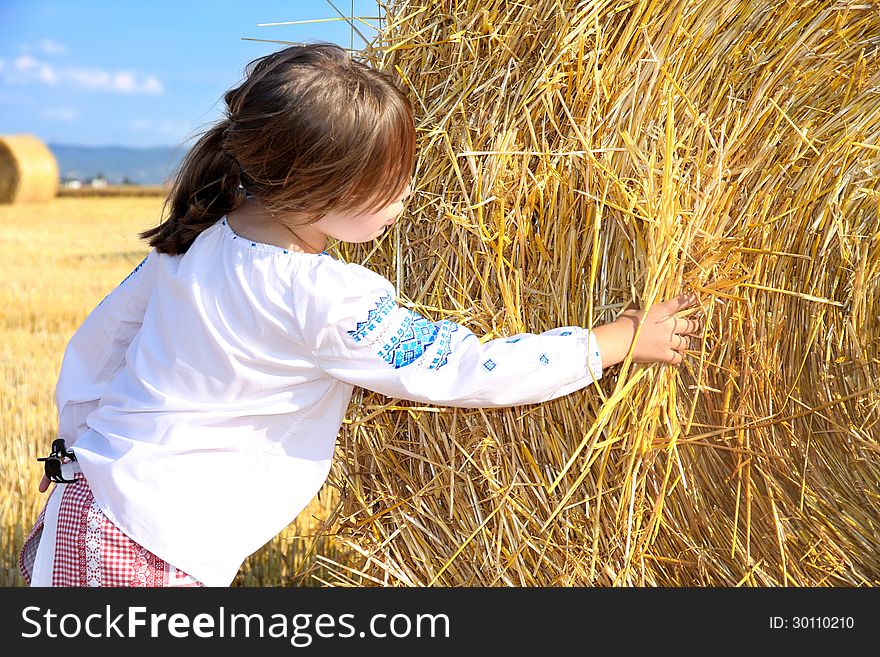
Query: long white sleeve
{"points": [[97, 349], [358, 334]]}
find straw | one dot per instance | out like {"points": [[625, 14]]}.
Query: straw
{"points": [[574, 157]]}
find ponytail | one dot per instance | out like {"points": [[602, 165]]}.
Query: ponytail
{"points": [[207, 187]]}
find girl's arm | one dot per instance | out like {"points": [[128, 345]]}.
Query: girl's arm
{"points": [[358, 334], [445, 363], [96, 352]]}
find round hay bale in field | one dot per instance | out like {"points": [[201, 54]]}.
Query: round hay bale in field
{"points": [[28, 170]]}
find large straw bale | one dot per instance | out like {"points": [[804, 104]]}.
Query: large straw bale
{"points": [[28, 170], [576, 156]]}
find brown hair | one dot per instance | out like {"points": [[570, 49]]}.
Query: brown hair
{"points": [[310, 130]]}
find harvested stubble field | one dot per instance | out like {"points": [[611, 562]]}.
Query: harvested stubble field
{"points": [[59, 260]]}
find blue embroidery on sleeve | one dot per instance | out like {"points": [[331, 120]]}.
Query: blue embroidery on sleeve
{"points": [[444, 344], [490, 365], [384, 305], [413, 337], [544, 359]]}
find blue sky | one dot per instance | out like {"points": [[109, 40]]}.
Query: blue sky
{"points": [[120, 72]]}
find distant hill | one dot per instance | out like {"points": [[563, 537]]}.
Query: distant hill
{"points": [[143, 166]]}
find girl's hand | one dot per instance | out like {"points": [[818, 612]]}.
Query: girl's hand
{"points": [[663, 337], [44, 484]]}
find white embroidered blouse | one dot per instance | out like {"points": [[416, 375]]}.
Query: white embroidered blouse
{"points": [[204, 395]]}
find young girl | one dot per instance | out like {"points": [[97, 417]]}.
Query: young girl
{"points": [[202, 398]]}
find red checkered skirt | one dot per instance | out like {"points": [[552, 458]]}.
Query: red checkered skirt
{"points": [[74, 544]]}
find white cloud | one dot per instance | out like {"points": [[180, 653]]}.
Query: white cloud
{"points": [[151, 85], [59, 114], [27, 69], [158, 127], [123, 82], [31, 68], [52, 47], [128, 82]]}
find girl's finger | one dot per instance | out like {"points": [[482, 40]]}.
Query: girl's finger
{"points": [[682, 301], [692, 327]]}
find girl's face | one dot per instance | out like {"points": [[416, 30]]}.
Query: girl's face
{"points": [[362, 227]]}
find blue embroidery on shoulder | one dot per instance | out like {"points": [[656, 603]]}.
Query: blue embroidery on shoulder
{"points": [[413, 337], [444, 344], [544, 359], [490, 365], [383, 306], [512, 340], [135, 270], [565, 333]]}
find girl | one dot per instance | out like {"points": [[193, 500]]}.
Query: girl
{"points": [[202, 398]]}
